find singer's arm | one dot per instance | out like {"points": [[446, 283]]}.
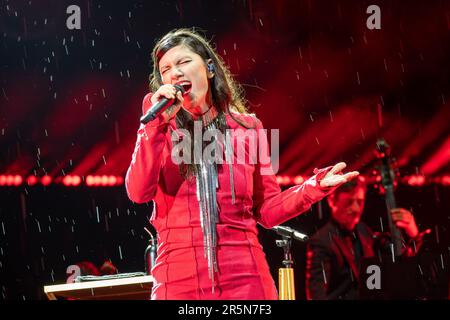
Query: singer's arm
{"points": [[143, 173], [273, 207]]}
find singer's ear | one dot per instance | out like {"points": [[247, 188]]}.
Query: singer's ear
{"points": [[210, 66]]}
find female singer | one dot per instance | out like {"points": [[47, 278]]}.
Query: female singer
{"points": [[205, 212]]}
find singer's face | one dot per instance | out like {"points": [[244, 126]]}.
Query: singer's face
{"points": [[347, 207], [180, 64]]}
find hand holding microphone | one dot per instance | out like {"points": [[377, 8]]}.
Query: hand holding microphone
{"points": [[167, 101]]}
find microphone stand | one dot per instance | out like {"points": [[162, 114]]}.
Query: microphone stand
{"points": [[286, 275]]}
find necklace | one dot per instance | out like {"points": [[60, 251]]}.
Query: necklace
{"points": [[207, 183]]}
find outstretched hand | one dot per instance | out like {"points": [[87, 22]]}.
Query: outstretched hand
{"points": [[335, 177]]}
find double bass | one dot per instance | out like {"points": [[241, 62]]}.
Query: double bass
{"points": [[387, 187]]}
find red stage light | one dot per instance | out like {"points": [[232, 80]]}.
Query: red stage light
{"points": [[17, 180], [445, 180], [284, 180], [97, 180], [70, 180], [416, 180], [76, 180], [104, 180], [46, 180], [298, 180], [67, 181], [112, 180], [89, 180], [119, 180], [9, 180], [32, 180]]}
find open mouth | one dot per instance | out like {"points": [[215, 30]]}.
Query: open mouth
{"points": [[186, 85]]}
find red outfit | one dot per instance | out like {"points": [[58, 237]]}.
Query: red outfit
{"points": [[181, 269]]}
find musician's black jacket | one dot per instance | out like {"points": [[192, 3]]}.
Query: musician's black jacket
{"points": [[332, 264]]}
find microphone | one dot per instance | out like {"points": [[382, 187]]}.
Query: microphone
{"points": [[150, 253], [290, 233], [164, 103], [150, 256]]}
